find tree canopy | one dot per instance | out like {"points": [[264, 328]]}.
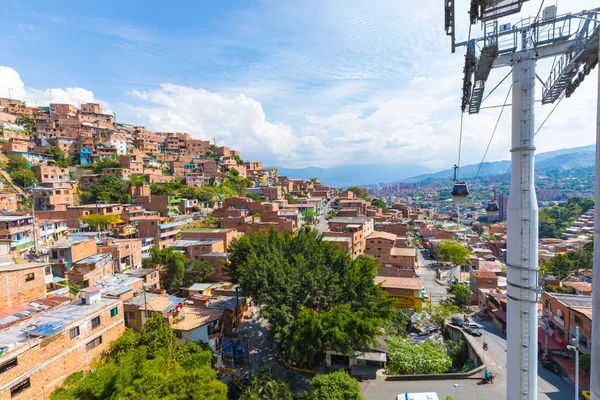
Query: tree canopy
{"points": [[561, 265], [462, 295], [360, 192], [337, 385], [314, 296], [176, 270], [454, 252], [151, 365], [379, 203], [265, 386], [98, 220]]}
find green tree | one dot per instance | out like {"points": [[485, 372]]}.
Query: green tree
{"points": [[291, 199], [193, 192], [454, 252], [26, 203], [147, 365], [440, 312], [313, 294], [238, 160], [110, 189], [397, 325], [407, 359], [137, 180], [334, 386], [98, 220], [462, 295], [24, 177], [59, 156], [106, 162], [177, 270], [27, 121], [360, 192], [266, 387], [379, 203], [16, 163]]}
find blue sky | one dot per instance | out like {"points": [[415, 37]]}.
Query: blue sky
{"points": [[293, 83]]}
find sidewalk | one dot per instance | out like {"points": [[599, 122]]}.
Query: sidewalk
{"points": [[568, 366]]}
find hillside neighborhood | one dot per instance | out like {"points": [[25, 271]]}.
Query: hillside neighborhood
{"points": [[111, 231]]}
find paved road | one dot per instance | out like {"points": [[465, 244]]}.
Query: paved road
{"points": [[550, 386], [435, 290], [322, 226]]}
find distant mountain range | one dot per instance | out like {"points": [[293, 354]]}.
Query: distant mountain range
{"points": [[371, 174]]}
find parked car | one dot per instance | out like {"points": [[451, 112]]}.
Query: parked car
{"points": [[473, 328], [586, 395], [458, 321], [551, 365]]}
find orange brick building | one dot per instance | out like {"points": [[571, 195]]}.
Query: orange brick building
{"points": [[44, 350]]}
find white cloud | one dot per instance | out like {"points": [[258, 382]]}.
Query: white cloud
{"points": [[10, 79], [236, 121]]}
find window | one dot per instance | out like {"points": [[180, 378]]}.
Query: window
{"points": [[578, 321], [93, 344], [20, 387], [74, 332], [114, 312], [583, 341], [153, 275], [10, 364], [149, 314], [29, 277], [95, 321]]}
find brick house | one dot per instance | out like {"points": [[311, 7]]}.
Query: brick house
{"points": [[64, 255], [563, 313], [87, 271], [43, 350], [481, 279], [227, 235], [126, 253], [20, 283], [405, 290]]}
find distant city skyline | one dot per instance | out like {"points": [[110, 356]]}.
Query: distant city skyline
{"points": [[294, 83]]}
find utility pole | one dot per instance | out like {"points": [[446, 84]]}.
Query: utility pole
{"points": [[575, 46], [575, 347]]}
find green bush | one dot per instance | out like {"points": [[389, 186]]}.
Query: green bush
{"points": [[407, 359]]}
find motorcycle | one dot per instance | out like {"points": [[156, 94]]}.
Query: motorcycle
{"points": [[490, 379]]}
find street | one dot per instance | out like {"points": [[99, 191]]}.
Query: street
{"points": [[323, 225], [435, 291], [550, 386]]}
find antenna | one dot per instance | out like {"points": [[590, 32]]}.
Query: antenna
{"points": [[575, 45]]}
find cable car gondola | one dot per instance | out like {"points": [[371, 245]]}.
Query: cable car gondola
{"points": [[492, 208], [460, 190]]}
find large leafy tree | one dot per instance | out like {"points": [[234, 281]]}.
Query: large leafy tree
{"points": [[360, 192], [110, 189], [454, 252], [313, 294], [150, 364], [334, 386]]}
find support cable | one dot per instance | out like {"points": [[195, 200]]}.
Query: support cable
{"points": [[493, 132], [462, 117], [496, 87]]}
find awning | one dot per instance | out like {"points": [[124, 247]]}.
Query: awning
{"points": [[553, 344]]}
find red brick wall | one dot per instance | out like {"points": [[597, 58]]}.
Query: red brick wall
{"points": [[53, 359], [14, 289]]}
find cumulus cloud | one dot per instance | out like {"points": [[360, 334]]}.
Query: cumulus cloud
{"points": [[10, 79], [236, 121]]}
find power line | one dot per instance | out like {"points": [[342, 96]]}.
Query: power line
{"points": [[546, 119], [493, 132], [502, 105]]}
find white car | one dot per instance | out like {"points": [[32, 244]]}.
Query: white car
{"points": [[418, 396]]}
